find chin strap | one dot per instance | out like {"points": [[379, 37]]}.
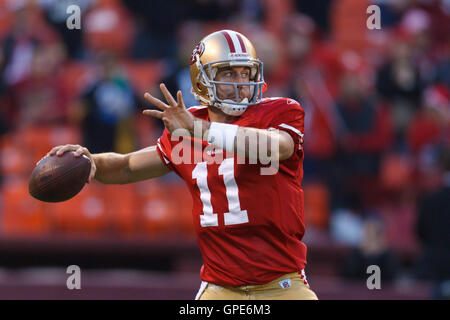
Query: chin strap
{"points": [[228, 107]]}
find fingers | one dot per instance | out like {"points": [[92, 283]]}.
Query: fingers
{"points": [[92, 173], [53, 151], [67, 148], [153, 113], [80, 151], [180, 99], [156, 102], [170, 100], [167, 95], [60, 150]]}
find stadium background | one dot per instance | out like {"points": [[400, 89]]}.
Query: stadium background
{"points": [[377, 121]]}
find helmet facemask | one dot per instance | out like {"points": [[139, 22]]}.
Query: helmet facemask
{"points": [[232, 107]]}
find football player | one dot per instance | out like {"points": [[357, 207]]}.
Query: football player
{"points": [[249, 221]]}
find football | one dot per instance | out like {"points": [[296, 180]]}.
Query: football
{"points": [[59, 178]]}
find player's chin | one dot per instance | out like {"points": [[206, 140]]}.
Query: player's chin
{"points": [[233, 98]]}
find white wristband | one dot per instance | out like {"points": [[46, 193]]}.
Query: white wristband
{"points": [[223, 135]]}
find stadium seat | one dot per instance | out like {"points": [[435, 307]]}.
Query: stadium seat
{"points": [[144, 74], [120, 206], [6, 20], [400, 220], [108, 27], [147, 130], [13, 157], [84, 214], [76, 77], [278, 12], [348, 23], [107, 3], [182, 207], [317, 205], [38, 140], [156, 214], [395, 172], [66, 134], [21, 215]]}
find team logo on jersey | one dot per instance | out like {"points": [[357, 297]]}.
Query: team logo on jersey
{"points": [[197, 52], [286, 283]]}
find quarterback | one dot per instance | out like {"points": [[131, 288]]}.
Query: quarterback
{"points": [[249, 221]]}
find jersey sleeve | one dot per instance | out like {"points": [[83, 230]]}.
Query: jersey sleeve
{"points": [[290, 118], [164, 148]]}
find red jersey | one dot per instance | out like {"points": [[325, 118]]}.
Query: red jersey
{"points": [[249, 226]]}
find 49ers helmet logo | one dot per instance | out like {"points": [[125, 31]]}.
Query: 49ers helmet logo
{"points": [[198, 51]]}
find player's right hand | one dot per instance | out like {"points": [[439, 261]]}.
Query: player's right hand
{"points": [[78, 152]]}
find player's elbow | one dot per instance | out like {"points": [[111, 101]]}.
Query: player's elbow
{"points": [[285, 152], [286, 147], [281, 146]]}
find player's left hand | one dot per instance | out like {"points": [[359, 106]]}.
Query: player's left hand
{"points": [[173, 113]]}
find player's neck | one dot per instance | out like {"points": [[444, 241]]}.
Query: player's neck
{"points": [[217, 115]]}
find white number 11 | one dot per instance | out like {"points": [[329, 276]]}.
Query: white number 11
{"points": [[235, 214]]}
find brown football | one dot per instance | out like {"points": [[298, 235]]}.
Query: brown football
{"points": [[59, 178]]}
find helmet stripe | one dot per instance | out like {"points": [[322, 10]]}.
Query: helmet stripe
{"points": [[230, 42], [241, 42]]}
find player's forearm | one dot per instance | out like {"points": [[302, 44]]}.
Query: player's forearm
{"points": [[111, 167], [114, 168]]}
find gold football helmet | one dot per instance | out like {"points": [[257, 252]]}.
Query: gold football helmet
{"points": [[217, 50]]}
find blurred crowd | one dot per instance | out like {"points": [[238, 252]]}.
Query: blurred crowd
{"points": [[377, 102]]}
